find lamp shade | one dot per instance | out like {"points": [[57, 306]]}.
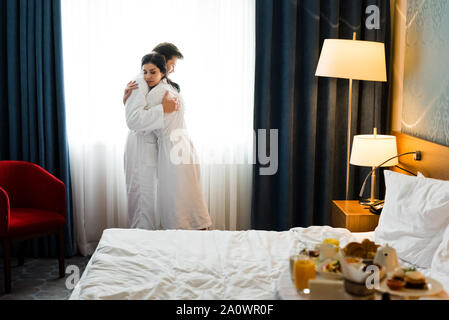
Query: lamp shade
{"points": [[352, 59], [370, 151]]}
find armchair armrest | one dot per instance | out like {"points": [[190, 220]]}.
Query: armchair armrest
{"points": [[4, 211]]}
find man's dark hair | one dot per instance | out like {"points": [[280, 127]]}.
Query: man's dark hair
{"points": [[168, 50]]}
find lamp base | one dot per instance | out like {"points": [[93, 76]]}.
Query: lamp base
{"points": [[369, 202]]}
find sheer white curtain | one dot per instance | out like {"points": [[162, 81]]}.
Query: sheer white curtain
{"points": [[104, 41]]}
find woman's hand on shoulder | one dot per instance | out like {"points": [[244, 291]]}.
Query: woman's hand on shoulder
{"points": [[132, 85]]}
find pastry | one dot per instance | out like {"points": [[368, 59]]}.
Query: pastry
{"points": [[395, 284], [369, 246], [366, 250], [415, 280], [353, 249]]}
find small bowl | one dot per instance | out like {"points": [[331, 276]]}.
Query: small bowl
{"points": [[357, 289], [321, 269]]}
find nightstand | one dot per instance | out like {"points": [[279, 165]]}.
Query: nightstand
{"points": [[351, 215]]}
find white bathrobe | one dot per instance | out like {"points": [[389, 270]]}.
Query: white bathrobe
{"points": [[181, 203], [140, 158]]}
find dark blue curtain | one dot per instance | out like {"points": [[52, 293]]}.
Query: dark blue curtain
{"points": [[310, 112], [32, 111]]}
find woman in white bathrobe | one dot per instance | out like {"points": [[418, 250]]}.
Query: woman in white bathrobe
{"points": [[181, 203], [140, 158]]}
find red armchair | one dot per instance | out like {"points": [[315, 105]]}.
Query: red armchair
{"points": [[32, 204]]}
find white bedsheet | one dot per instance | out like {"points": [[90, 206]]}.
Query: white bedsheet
{"points": [[181, 264]]}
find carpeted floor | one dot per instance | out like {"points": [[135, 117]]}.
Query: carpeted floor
{"points": [[38, 279]]}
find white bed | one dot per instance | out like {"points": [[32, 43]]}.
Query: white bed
{"points": [[140, 264], [180, 264]]}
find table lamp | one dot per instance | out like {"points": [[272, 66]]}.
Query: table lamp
{"points": [[353, 60], [371, 151]]}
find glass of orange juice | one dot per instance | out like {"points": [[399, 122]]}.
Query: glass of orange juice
{"points": [[304, 271], [295, 251]]}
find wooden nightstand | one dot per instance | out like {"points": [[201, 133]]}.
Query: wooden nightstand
{"points": [[351, 215]]}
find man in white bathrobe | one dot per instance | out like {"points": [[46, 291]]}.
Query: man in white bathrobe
{"points": [[141, 152]]}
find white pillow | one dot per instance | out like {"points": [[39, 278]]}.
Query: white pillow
{"points": [[440, 262], [414, 217]]}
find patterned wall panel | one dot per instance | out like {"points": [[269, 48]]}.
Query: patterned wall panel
{"points": [[425, 113]]}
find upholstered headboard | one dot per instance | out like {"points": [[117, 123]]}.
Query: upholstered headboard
{"points": [[435, 157]]}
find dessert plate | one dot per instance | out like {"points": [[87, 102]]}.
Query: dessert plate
{"points": [[321, 270], [433, 287]]}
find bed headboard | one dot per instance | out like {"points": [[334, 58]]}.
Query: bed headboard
{"points": [[435, 157]]}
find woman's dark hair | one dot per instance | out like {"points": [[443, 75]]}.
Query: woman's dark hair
{"points": [[159, 61]]}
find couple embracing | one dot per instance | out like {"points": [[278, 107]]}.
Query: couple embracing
{"points": [[162, 194]]}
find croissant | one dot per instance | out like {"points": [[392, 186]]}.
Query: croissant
{"points": [[365, 250]]}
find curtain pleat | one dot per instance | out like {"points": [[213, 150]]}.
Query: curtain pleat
{"points": [[311, 112], [32, 104]]}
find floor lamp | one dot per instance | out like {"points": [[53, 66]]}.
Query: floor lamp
{"points": [[353, 60]]}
